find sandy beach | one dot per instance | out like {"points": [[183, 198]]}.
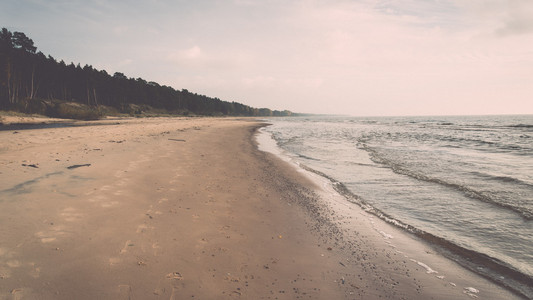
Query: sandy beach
{"points": [[189, 208]]}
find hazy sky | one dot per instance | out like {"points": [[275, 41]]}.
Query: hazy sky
{"points": [[358, 57]]}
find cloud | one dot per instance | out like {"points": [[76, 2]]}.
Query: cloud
{"points": [[124, 62], [360, 57], [119, 30], [518, 19], [205, 60], [365, 59], [262, 81], [501, 18], [192, 54]]}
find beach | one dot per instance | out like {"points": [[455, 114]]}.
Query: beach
{"points": [[189, 208]]}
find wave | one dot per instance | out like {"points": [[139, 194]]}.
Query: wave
{"points": [[499, 144], [467, 191], [505, 179], [308, 157], [480, 263], [521, 126], [484, 145]]}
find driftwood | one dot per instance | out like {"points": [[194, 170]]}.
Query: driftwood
{"points": [[77, 166]]}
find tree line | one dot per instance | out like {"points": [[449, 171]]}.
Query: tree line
{"points": [[28, 77]]}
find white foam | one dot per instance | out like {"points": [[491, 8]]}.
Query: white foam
{"points": [[428, 269], [266, 143], [385, 235], [470, 291]]}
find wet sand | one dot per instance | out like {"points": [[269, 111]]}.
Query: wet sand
{"points": [[189, 209]]}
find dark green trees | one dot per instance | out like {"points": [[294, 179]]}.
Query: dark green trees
{"points": [[27, 75], [21, 41], [17, 67]]}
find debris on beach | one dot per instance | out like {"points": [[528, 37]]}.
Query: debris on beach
{"points": [[174, 275], [31, 165], [78, 166]]}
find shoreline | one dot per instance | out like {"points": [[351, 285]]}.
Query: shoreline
{"points": [[481, 264], [335, 194], [190, 208]]}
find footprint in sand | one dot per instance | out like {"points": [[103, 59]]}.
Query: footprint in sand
{"points": [[109, 204], [173, 279], [155, 247], [50, 235], [98, 198], [70, 214], [35, 272], [175, 294], [124, 292], [143, 227], [105, 188], [13, 263], [127, 244], [4, 273], [48, 239], [122, 182], [201, 243], [119, 173], [114, 261], [17, 293], [21, 293], [118, 193]]}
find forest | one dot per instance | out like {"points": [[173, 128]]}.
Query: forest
{"points": [[32, 82]]}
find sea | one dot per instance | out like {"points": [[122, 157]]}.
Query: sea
{"points": [[462, 183]]}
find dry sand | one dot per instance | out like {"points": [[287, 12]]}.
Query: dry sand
{"points": [[189, 209]]}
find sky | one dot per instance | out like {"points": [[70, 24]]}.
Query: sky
{"points": [[354, 57]]}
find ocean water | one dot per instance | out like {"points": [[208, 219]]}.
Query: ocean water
{"points": [[463, 183]]}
